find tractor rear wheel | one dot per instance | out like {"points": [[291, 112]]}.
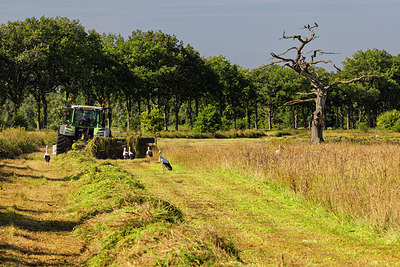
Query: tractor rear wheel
{"points": [[64, 143]]}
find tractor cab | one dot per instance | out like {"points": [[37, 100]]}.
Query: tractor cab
{"points": [[87, 116]]}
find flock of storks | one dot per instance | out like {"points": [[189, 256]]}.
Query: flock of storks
{"points": [[130, 155]]}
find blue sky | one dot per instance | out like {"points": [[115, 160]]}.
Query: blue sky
{"points": [[245, 32]]}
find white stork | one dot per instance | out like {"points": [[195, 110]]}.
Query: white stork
{"points": [[125, 154], [149, 154], [164, 162], [279, 150], [131, 155], [46, 156]]}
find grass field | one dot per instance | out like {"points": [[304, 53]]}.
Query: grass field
{"points": [[226, 202]]}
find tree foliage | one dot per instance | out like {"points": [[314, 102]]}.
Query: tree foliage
{"points": [[44, 61]]}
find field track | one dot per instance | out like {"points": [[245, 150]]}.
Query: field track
{"points": [[267, 226], [33, 231]]}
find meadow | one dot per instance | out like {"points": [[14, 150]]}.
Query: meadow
{"points": [[226, 202], [354, 177]]}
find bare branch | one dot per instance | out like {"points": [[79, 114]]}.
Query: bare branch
{"points": [[290, 49], [269, 64], [352, 80], [310, 93], [326, 62], [282, 59], [297, 101]]}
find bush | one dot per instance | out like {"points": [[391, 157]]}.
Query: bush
{"points": [[151, 122], [388, 119], [396, 126], [208, 120], [363, 127], [18, 120], [241, 124]]}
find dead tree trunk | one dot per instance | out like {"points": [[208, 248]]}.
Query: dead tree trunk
{"points": [[317, 124]]}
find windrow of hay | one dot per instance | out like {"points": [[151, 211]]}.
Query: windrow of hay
{"points": [[112, 148], [122, 224], [356, 180]]}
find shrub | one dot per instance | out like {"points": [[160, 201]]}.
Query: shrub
{"points": [[208, 120], [396, 126], [18, 120], [363, 127], [388, 119], [151, 121]]}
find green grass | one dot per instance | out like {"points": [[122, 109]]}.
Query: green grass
{"points": [[266, 223], [122, 223], [129, 212]]}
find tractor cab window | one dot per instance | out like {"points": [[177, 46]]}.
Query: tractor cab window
{"points": [[85, 117]]}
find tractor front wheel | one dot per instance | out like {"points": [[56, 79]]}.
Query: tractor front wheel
{"points": [[64, 143]]}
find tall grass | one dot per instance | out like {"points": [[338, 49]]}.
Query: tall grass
{"points": [[17, 141], [356, 180]]}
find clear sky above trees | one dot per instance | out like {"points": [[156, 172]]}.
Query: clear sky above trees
{"points": [[244, 31]]}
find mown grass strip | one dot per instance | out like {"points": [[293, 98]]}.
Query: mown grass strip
{"points": [[265, 222], [122, 223]]}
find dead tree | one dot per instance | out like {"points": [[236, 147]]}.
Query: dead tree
{"points": [[306, 67]]}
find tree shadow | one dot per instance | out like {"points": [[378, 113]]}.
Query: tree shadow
{"points": [[32, 252], [32, 211], [5, 176], [14, 260], [2, 165], [10, 217]]}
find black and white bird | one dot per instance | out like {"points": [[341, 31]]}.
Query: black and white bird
{"points": [[131, 155], [125, 153], [149, 154], [46, 156], [164, 162]]}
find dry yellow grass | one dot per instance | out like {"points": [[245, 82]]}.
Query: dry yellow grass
{"points": [[360, 181]]}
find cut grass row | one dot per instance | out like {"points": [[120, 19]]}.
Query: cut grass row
{"points": [[122, 223]]}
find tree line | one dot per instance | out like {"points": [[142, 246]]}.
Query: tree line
{"points": [[45, 61]]}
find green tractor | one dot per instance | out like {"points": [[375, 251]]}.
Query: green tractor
{"points": [[84, 123]]}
